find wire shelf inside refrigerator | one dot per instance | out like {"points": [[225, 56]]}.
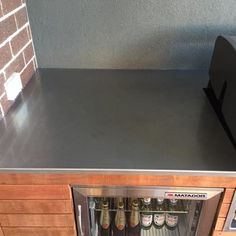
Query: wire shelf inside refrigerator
{"points": [[181, 208]]}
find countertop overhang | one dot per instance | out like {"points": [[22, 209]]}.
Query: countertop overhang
{"points": [[129, 121]]}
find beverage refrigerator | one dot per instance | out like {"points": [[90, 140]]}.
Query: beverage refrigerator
{"points": [[146, 211]]}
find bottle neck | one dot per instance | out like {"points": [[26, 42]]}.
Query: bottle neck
{"points": [[147, 201], [135, 208], [160, 201], [173, 202]]}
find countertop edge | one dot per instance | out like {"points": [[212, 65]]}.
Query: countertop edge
{"points": [[117, 171]]}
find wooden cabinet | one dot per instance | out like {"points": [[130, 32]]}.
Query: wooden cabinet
{"points": [[39, 210], [29, 192], [27, 231], [51, 206], [224, 208], [219, 233], [1, 233], [36, 220]]}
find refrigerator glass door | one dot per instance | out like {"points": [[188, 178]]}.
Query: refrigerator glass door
{"points": [[180, 212]]}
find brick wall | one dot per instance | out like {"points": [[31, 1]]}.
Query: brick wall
{"points": [[16, 46]]}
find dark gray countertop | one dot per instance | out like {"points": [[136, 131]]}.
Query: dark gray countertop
{"points": [[115, 120]]}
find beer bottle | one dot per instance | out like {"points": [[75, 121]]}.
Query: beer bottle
{"points": [[134, 221], [172, 218], [146, 215], [159, 216], [120, 222], [105, 220], [117, 201]]}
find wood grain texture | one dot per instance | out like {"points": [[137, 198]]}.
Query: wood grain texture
{"points": [[39, 231], [224, 210], [33, 220], [34, 192], [1, 231], [220, 224], [35, 206], [118, 179], [229, 193], [219, 233]]}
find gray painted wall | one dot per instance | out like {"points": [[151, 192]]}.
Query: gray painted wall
{"points": [[158, 34]]}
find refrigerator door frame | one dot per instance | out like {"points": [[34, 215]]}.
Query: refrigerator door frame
{"points": [[82, 213], [210, 196], [187, 193]]}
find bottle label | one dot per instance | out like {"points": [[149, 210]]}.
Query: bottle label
{"points": [[146, 220], [159, 219], [134, 218], [171, 220], [105, 226], [120, 220], [120, 227], [105, 220]]}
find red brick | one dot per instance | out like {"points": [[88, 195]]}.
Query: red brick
{"points": [[16, 66], [10, 5], [5, 55], [21, 17], [7, 28], [2, 81], [27, 73], [6, 104], [28, 53], [19, 41]]}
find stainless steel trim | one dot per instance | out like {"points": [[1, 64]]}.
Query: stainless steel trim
{"points": [[122, 171], [81, 207], [81, 233], [97, 191], [92, 217], [231, 215]]}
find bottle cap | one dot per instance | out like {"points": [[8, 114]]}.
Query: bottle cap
{"points": [[147, 200], [120, 205], [105, 204], [135, 203], [173, 201], [160, 200]]}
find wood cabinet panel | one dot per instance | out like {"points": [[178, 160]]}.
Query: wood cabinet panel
{"points": [[34, 192], [35, 206], [128, 179], [220, 224], [219, 233], [229, 193], [33, 220], [1, 232], [39, 231], [224, 210]]}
